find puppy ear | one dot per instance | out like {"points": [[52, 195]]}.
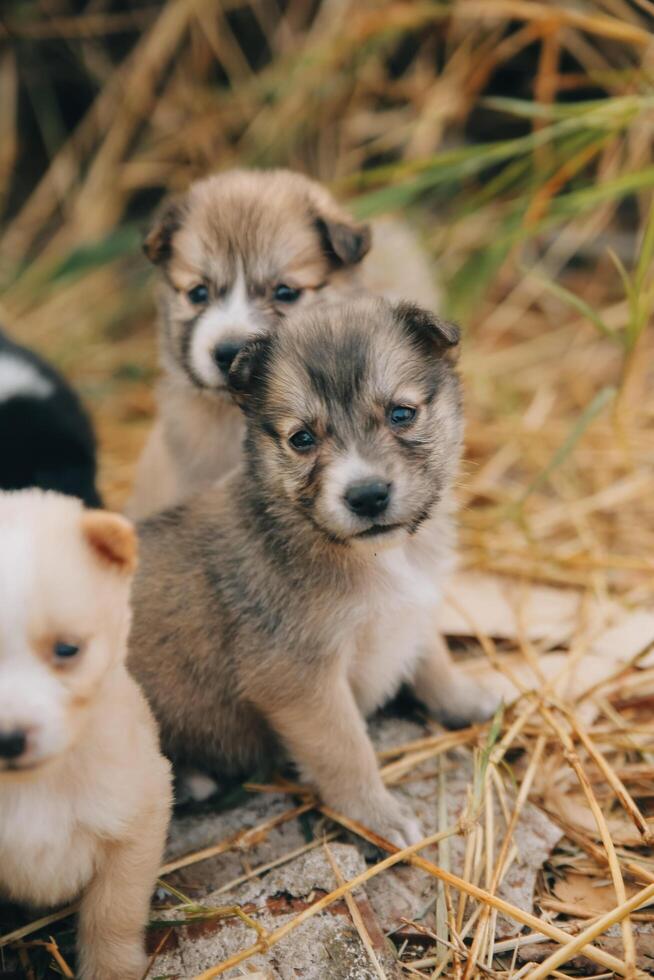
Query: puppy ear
{"points": [[168, 219], [248, 369], [439, 335], [112, 538], [344, 242]]}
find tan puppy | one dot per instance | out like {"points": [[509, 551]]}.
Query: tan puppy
{"points": [[237, 253], [84, 791], [294, 597]]}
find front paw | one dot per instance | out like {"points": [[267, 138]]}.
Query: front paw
{"points": [[110, 964], [387, 817], [193, 786], [465, 703]]}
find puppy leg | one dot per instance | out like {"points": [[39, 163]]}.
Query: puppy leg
{"points": [[155, 482], [116, 906], [326, 736], [193, 786], [453, 696]]}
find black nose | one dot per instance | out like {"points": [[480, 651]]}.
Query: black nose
{"points": [[368, 499], [12, 744], [224, 354]]}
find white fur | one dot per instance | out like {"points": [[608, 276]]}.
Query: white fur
{"points": [[196, 786], [392, 626], [91, 781], [397, 625], [230, 319], [52, 818], [16, 573], [19, 377], [350, 468], [30, 698], [393, 636], [39, 828], [332, 509]]}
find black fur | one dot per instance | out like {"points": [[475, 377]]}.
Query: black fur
{"points": [[46, 442]]}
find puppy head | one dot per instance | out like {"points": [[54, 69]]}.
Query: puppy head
{"points": [[64, 580], [238, 252], [354, 417]]}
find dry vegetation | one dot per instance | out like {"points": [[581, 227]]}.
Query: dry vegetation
{"points": [[518, 136]]}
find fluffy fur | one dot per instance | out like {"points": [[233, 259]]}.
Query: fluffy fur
{"points": [[46, 438], [84, 804], [267, 611], [240, 236]]}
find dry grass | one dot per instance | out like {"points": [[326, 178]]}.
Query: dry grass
{"points": [[544, 239]]}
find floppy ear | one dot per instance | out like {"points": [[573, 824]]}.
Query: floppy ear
{"points": [[112, 539], [168, 219], [429, 329], [344, 241], [248, 369]]}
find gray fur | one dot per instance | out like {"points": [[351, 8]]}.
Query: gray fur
{"points": [[256, 599]]}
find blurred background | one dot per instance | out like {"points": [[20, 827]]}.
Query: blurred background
{"points": [[515, 135]]}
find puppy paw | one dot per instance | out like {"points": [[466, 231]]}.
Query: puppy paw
{"points": [[193, 786], [466, 703], [110, 964], [389, 818]]}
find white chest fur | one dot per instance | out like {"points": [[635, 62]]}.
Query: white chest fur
{"points": [[397, 622], [46, 847], [55, 822]]}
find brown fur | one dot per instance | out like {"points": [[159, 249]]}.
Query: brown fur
{"points": [[112, 539], [269, 227], [265, 611]]}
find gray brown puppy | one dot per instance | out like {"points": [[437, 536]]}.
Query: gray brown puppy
{"points": [[237, 253], [293, 598]]}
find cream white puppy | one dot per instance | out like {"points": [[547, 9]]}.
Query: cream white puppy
{"points": [[85, 793]]}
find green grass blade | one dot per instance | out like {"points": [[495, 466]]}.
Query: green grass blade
{"points": [[646, 257], [599, 402], [608, 190], [485, 755], [631, 329], [123, 241], [577, 303], [602, 108]]}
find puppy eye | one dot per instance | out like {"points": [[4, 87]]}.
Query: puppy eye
{"points": [[65, 651], [401, 414], [286, 294], [302, 440], [198, 295]]}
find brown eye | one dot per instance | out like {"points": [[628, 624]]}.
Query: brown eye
{"points": [[400, 415]]}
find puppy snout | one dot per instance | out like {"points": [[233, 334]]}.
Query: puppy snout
{"points": [[12, 744], [225, 353], [368, 499]]}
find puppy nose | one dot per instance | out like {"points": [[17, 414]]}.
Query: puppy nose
{"points": [[224, 354], [368, 499], [12, 744]]}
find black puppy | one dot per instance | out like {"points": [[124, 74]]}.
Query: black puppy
{"points": [[46, 438]]}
